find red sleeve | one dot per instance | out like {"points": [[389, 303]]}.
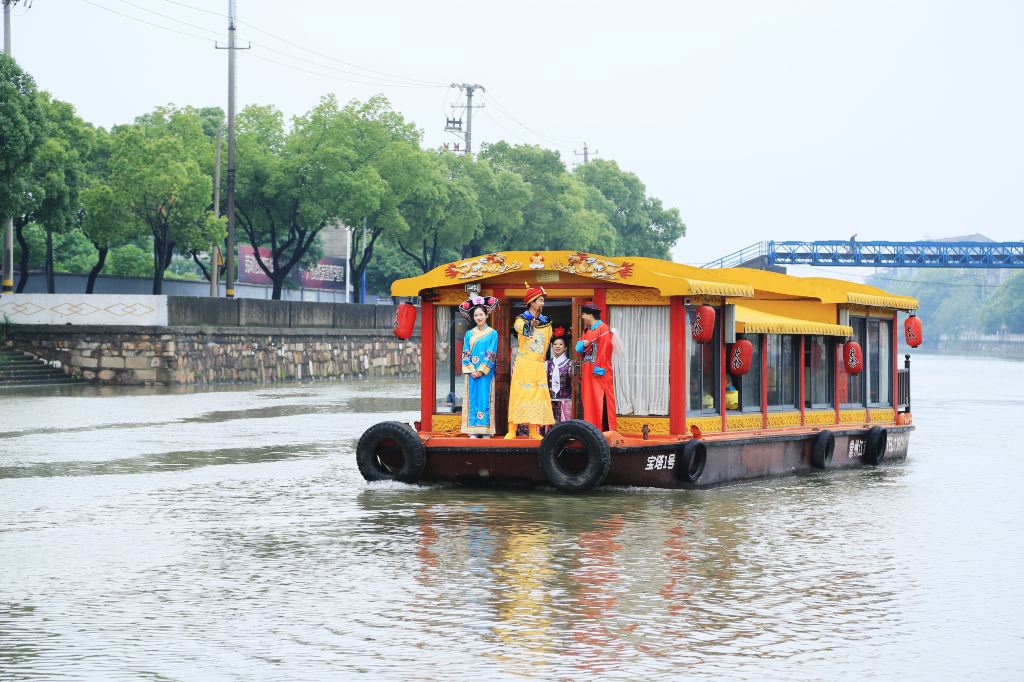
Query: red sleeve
{"points": [[604, 348]]}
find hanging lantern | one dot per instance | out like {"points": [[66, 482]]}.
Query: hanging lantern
{"points": [[853, 358], [405, 320], [913, 331], [703, 324], [739, 357]]}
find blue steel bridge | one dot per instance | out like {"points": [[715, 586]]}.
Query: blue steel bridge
{"points": [[876, 254]]}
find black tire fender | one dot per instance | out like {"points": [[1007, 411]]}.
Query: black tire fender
{"points": [[595, 447], [692, 460], [824, 447], [874, 445], [392, 438]]}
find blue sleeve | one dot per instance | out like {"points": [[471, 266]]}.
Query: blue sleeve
{"points": [[467, 353], [598, 371], [579, 346], [488, 351]]}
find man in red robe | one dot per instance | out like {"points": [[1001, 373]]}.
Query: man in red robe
{"points": [[595, 345]]}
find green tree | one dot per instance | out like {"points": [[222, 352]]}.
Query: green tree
{"points": [[389, 264], [442, 210], [291, 184], [55, 178], [22, 131], [561, 213], [1005, 308], [130, 261], [644, 226], [165, 187], [501, 196]]}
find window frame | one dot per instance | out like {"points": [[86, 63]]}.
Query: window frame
{"points": [[794, 371], [716, 360], [829, 359]]}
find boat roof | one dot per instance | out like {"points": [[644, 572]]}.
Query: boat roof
{"points": [[754, 321], [670, 279], [823, 289]]}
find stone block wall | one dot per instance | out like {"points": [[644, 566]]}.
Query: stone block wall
{"points": [[209, 355]]}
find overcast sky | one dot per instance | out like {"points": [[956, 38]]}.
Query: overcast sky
{"points": [[757, 120]]}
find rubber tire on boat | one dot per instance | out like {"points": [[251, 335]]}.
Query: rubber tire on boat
{"points": [[692, 460], [599, 456], [824, 446], [414, 455], [874, 445]]}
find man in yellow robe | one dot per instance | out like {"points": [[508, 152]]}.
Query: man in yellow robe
{"points": [[529, 401]]}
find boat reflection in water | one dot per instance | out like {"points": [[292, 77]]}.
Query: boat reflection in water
{"points": [[640, 581]]}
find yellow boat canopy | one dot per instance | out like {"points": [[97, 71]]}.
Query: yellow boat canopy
{"points": [[751, 321], [821, 288], [670, 279]]}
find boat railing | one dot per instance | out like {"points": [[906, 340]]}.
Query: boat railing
{"points": [[903, 387]]}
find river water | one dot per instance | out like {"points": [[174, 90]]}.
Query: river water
{"points": [[227, 534]]}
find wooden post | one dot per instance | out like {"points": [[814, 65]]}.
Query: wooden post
{"points": [[677, 387]]}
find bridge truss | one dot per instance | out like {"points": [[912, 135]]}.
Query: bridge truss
{"points": [[883, 254]]}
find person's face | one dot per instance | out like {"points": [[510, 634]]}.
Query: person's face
{"points": [[537, 303], [558, 347], [588, 319], [479, 316]]}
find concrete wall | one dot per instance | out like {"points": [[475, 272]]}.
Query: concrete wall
{"points": [[191, 311], [77, 309], [210, 355]]}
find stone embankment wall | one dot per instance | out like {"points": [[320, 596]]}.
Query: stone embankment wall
{"points": [[204, 354]]}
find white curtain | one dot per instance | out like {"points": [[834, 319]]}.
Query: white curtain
{"points": [[641, 371], [442, 354], [442, 320]]}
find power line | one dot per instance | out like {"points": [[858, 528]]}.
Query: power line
{"points": [[332, 76], [505, 112], [166, 16], [341, 61], [143, 21]]}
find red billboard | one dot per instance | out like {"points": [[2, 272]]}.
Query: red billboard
{"points": [[328, 273]]}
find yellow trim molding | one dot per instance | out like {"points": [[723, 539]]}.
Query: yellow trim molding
{"points": [[883, 414], [852, 416], [743, 422], [705, 424], [820, 417], [634, 424], [780, 419], [446, 423]]}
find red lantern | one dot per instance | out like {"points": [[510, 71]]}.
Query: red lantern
{"points": [[405, 320], [703, 324], [913, 331], [853, 358], [739, 357]]}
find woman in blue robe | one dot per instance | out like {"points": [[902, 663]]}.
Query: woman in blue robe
{"points": [[479, 355]]}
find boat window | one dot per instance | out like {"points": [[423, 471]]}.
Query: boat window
{"points": [[879, 362], [819, 372], [449, 329], [851, 386], [782, 370], [748, 385], [703, 396], [641, 375]]}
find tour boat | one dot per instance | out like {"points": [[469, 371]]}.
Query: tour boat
{"points": [[723, 375]]}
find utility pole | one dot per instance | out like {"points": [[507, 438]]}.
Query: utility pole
{"points": [[229, 263], [215, 249], [469, 89], [7, 285], [585, 154]]}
